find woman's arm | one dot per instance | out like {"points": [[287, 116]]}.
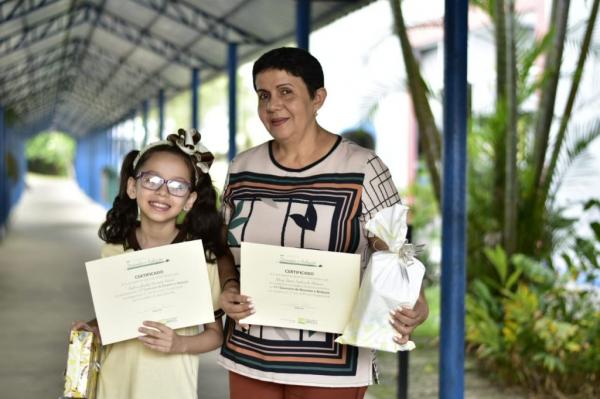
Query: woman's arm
{"points": [[406, 320], [236, 306], [164, 339]]}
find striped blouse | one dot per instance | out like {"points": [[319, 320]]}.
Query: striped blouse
{"points": [[324, 206]]}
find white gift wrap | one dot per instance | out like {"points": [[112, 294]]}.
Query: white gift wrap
{"points": [[392, 278]]}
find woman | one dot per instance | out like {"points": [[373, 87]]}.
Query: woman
{"points": [[316, 190]]}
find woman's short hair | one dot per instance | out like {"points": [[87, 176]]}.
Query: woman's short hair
{"points": [[295, 61]]}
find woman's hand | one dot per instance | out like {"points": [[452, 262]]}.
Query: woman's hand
{"points": [[406, 320], [161, 338], [91, 326], [235, 305]]}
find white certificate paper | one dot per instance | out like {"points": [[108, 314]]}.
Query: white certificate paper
{"points": [[168, 284], [299, 288]]}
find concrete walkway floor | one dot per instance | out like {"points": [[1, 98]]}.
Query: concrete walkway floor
{"points": [[43, 288]]}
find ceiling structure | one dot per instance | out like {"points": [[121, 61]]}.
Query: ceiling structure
{"points": [[80, 66]]}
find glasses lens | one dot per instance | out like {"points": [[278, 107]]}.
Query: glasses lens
{"points": [[152, 182], [177, 188]]}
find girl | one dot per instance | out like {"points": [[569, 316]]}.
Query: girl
{"points": [[160, 181]]}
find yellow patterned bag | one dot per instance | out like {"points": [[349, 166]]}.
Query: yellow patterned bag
{"points": [[83, 365]]}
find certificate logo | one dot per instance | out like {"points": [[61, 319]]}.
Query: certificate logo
{"points": [[138, 263]]}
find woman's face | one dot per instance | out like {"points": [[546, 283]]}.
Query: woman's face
{"points": [[160, 205], [284, 105]]}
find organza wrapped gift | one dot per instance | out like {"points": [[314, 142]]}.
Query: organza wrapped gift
{"points": [[392, 279], [83, 365]]}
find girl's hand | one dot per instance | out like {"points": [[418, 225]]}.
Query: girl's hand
{"points": [[234, 305], [406, 320], [161, 338], [87, 326]]}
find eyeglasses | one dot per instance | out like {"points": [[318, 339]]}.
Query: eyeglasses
{"points": [[153, 182]]}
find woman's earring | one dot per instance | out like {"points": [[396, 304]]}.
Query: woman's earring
{"points": [[186, 209]]}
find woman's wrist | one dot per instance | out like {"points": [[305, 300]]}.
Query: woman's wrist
{"points": [[229, 282], [378, 244]]}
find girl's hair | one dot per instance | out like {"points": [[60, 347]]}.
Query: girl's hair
{"points": [[202, 221], [295, 61]]}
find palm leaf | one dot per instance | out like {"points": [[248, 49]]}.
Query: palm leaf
{"points": [[579, 140]]}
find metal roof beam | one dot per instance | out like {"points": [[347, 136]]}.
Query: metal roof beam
{"points": [[43, 30], [22, 103], [38, 91], [140, 36], [35, 61], [35, 102], [131, 70], [27, 84], [55, 54], [12, 10], [16, 83], [193, 16], [81, 103], [87, 98], [30, 89]]}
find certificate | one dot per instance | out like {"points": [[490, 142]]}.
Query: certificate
{"points": [[299, 288], [168, 284]]}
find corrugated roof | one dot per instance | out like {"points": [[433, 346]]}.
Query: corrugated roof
{"points": [[78, 66]]}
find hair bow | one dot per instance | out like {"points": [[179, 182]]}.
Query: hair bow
{"points": [[188, 141]]}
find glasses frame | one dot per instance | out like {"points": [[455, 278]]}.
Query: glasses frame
{"points": [[164, 182]]}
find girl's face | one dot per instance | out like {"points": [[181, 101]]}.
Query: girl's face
{"points": [[160, 205], [284, 104]]}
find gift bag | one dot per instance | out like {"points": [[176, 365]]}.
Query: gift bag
{"points": [[392, 278], [83, 365]]}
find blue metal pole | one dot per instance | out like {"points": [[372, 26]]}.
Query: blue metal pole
{"points": [[195, 99], [232, 64], [302, 23], [94, 170], [77, 162], [132, 143], [161, 113], [452, 345], [145, 107], [82, 163], [3, 174], [22, 167]]}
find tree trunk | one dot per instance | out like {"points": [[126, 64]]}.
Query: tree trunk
{"points": [[428, 131], [560, 15], [511, 193]]}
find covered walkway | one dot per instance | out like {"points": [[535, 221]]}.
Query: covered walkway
{"points": [[43, 287]]}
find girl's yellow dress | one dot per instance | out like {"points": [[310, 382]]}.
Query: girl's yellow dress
{"points": [[131, 371]]}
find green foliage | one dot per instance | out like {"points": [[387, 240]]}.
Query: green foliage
{"points": [[524, 324], [430, 329], [527, 327], [50, 153], [424, 215]]}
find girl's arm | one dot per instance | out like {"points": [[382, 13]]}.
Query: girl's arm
{"points": [[235, 305], [164, 339], [91, 326]]}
